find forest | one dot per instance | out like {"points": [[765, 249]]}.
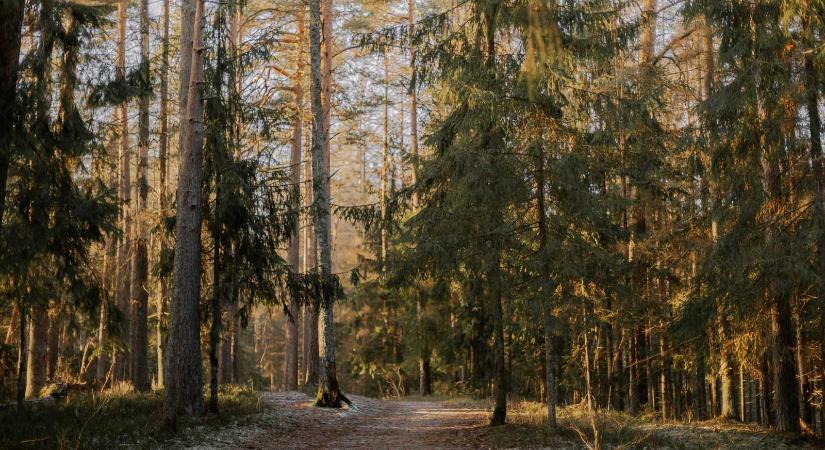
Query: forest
{"points": [[412, 224]]}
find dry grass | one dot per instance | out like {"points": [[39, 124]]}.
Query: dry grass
{"points": [[527, 428]]}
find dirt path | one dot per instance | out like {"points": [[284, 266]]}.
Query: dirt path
{"points": [[370, 423], [289, 421]]}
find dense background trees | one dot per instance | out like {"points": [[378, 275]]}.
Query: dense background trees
{"points": [[618, 204]]}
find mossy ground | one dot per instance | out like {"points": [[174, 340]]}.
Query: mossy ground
{"points": [[118, 418]]}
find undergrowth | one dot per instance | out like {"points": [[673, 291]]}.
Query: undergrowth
{"points": [[118, 418]]}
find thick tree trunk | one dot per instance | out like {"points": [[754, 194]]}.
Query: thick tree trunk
{"points": [[184, 384], [36, 353], [139, 284], [122, 268], [328, 389], [11, 29], [814, 131], [786, 397], [163, 151]]}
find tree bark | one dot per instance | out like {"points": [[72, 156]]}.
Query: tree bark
{"points": [[13, 324], [139, 284], [546, 296], [311, 313], [217, 311], [725, 370], [11, 29], [294, 249], [36, 353], [327, 39], [328, 389], [786, 397], [184, 384], [499, 375], [700, 394], [21, 357], [55, 325], [122, 268], [163, 151], [811, 79], [424, 368]]}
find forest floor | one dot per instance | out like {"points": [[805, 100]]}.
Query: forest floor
{"points": [[461, 423]]}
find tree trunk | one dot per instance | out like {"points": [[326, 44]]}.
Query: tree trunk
{"points": [[385, 163], [648, 34], [163, 151], [742, 398], [546, 295], [326, 75], [328, 390], [13, 324], [786, 397], [122, 268], [11, 29], [184, 385], [801, 369], [225, 365], [140, 259], [55, 325], [36, 353], [665, 377], [21, 357], [217, 311], [310, 337], [293, 251], [424, 369], [814, 131], [499, 376], [725, 372]]}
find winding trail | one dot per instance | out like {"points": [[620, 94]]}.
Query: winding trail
{"points": [[370, 423]]}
